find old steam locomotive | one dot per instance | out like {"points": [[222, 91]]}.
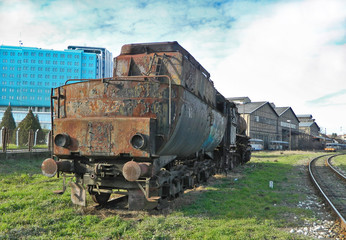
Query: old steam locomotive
{"points": [[155, 129]]}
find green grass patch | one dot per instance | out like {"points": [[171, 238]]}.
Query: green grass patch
{"points": [[238, 206], [15, 147], [340, 162]]}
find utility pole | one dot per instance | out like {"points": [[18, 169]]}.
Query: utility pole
{"points": [[290, 137]]}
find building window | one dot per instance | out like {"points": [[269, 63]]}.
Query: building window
{"points": [[25, 68], [69, 56], [33, 54], [55, 62], [69, 70], [69, 63], [12, 68], [26, 54], [46, 77], [40, 68], [12, 54], [39, 75], [19, 54], [47, 54], [40, 54], [62, 55], [3, 75], [47, 69], [40, 61], [76, 56], [33, 61], [25, 75], [76, 63], [39, 84], [47, 61], [19, 61], [4, 60], [25, 61], [55, 69], [46, 83], [62, 70], [12, 61], [32, 75], [62, 63], [76, 70], [32, 68]]}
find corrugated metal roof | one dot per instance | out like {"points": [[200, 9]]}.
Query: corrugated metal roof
{"points": [[281, 110], [250, 107], [306, 124], [304, 116]]}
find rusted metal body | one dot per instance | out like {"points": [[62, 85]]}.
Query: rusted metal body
{"points": [[151, 129]]}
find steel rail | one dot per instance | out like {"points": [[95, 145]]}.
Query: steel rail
{"points": [[336, 211], [339, 173]]}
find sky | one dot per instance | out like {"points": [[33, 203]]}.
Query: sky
{"points": [[291, 53]]}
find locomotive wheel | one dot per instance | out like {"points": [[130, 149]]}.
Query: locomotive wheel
{"points": [[101, 198]]}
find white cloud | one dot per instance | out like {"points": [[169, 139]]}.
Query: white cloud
{"points": [[287, 56]]}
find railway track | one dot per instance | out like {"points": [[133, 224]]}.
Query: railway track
{"points": [[332, 185]]}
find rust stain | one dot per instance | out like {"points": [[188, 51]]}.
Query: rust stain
{"points": [[106, 136]]}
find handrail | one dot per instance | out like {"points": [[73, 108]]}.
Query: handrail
{"points": [[82, 80], [136, 78]]}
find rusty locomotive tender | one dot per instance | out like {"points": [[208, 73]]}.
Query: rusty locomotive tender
{"points": [[156, 128]]}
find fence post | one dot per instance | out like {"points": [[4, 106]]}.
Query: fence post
{"points": [[35, 140], [4, 139], [17, 137], [30, 139], [49, 141], [2, 129]]}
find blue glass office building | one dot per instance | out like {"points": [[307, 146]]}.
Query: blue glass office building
{"points": [[27, 75]]}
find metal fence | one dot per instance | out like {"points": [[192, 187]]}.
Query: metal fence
{"points": [[23, 139]]}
